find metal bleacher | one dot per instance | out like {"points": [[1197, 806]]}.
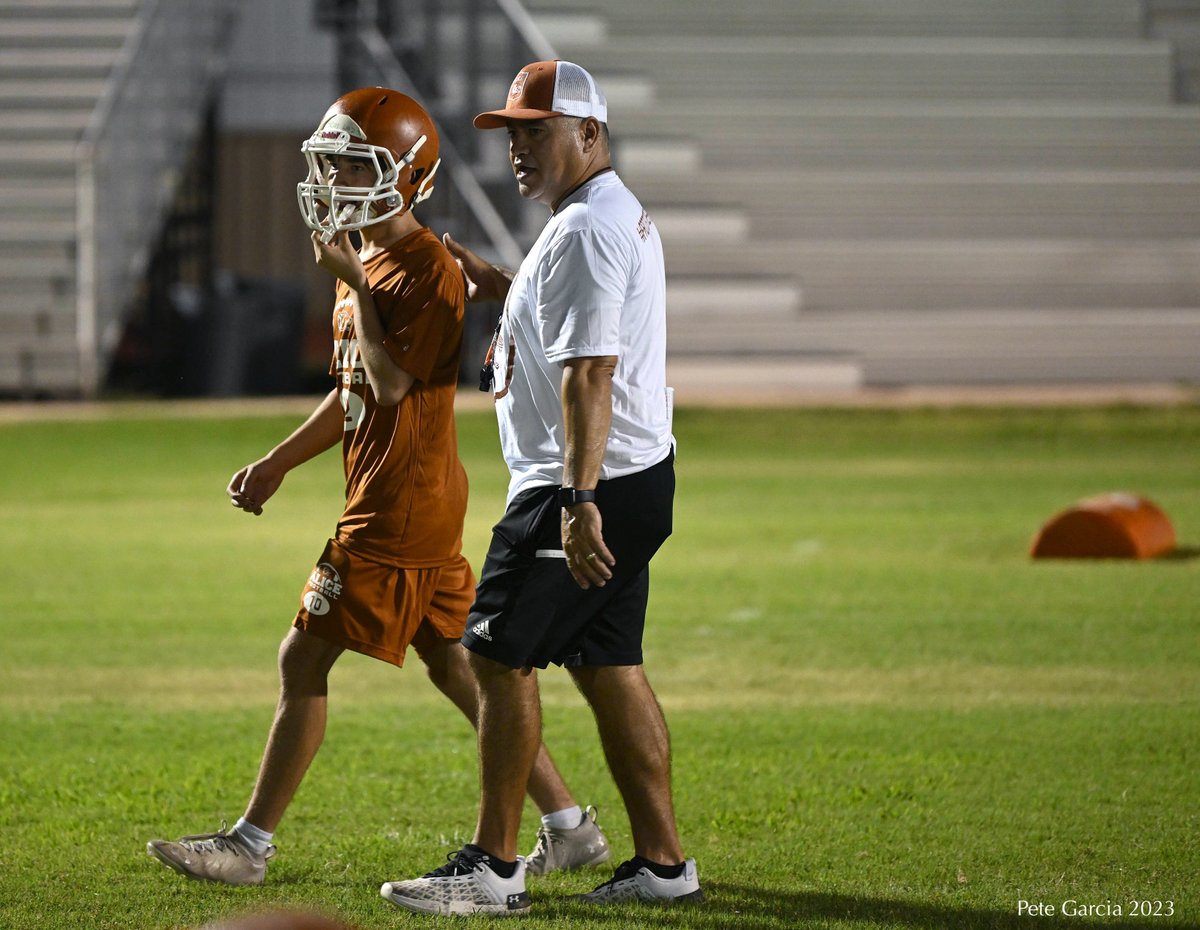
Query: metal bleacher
{"points": [[100, 102], [54, 64], [918, 191], [850, 192]]}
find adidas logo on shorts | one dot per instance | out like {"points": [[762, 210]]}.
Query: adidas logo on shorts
{"points": [[480, 629]]}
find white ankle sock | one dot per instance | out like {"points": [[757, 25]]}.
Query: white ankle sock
{"points": [[566, 819], [258, 840]]}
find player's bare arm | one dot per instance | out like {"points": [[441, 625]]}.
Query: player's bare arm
{"points": [[252, 486], [485, 281], [587, 417], [388, 380]]}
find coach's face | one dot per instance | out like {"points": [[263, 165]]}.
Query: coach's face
{"points": [[551, 157]]}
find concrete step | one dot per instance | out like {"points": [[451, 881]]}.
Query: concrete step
{"points": [[691, 298], [574, 27], [39, 366], [892, 69], [973, 346], [682, 224], [906, 135], [38, 162], [1013, 18], [53, 124], [19, 193], [67, 9], [1014, 346], [938, 274], [80, 63], [14, 231], [29, 32], [760, 376], [970, 204], [37, 320], [18, 272], [22, 93]]}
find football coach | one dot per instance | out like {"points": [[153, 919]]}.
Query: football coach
{"points": [[578, 371]]}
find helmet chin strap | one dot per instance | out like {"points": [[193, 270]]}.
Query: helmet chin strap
{"points": [[409, 157]]}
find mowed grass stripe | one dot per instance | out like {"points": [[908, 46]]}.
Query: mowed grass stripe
{"points": [[952, 687]]}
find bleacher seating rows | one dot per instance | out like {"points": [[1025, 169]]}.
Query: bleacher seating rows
{"points": [[934, 190]]}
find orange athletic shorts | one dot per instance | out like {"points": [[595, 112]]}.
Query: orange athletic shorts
{"points": [[379, 610]]}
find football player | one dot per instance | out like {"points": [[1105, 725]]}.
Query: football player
{"points": [[393, 574]]}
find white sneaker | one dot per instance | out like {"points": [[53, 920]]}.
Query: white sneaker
{"points": [[574, 848], [634, 882], [466, 884], [213, 857]]}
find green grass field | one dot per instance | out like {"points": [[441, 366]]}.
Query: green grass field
{"points": [[884, 714]]}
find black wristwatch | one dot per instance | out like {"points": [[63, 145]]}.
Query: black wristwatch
{"points": [[569, 497]]}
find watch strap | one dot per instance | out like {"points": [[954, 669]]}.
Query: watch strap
{"points": [[569, 497]]}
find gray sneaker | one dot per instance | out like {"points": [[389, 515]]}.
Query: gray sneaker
{"points": [[575, 848], [466, 884], [634, 882], [213, 857]]}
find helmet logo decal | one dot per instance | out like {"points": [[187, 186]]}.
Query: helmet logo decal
{"points": [[341, 123]]}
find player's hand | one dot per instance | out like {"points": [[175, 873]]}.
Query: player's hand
{"points": [[480, 276], [253, 486], [339, 257], [588, 559]]}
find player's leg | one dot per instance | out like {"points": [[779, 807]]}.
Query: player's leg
{"points": [[298, 729], [239, 856]]}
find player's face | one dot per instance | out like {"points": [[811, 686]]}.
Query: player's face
{"points": [[547, 157], [345, 171]]}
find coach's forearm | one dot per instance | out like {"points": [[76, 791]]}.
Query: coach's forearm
{"points": [[587, 418]]}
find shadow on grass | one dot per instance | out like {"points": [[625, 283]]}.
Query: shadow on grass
{"points": [[747, 908], [1181, 554]]}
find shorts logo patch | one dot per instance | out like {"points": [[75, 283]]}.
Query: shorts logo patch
{"points": [[315, 604], [324, 587], [480, 629]]}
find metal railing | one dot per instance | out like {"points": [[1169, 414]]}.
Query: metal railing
{"points": [[1178, 21], [130, 158]]}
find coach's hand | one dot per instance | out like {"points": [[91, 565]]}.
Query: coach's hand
{"points": [[253, 486], [588, 559], [484, 280]]}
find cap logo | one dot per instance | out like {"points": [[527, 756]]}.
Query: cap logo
{"points": [[518, 85]]}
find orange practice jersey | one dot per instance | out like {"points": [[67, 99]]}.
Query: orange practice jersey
{"points": [[406, 490]]}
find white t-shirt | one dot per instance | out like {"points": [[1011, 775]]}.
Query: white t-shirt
{"points": [[593, 284]]}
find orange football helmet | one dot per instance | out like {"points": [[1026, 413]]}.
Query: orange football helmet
{"points": [[389, 130]]}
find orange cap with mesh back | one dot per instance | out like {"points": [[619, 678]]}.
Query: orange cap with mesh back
{"points": [[548, 88]]}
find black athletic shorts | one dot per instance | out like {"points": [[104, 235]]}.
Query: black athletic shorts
{"points": [[528, 609]]}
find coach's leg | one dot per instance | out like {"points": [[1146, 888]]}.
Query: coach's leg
{"points": [[299, 727], [510, 732], [450, 672], [638, 749]]}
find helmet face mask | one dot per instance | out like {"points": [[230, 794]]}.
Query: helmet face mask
{"points": [[393, 135]]}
